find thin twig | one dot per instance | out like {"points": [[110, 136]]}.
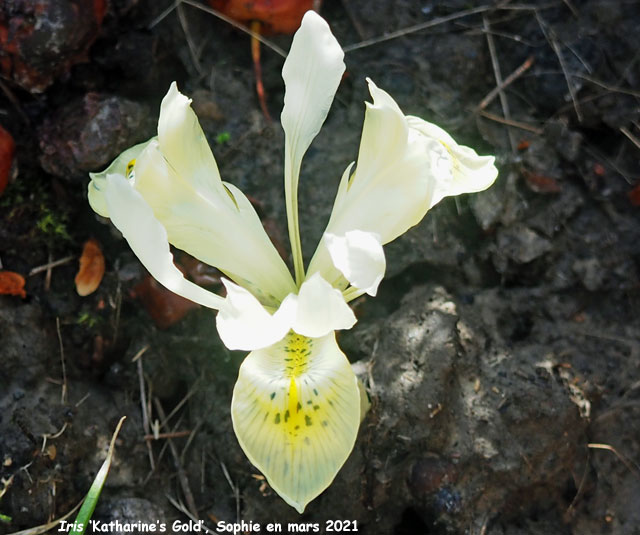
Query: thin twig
{"points": [[118, 307], [180, 507], [143, 403], [190, 393], [511, 122], [193, 49], [57, 434], [182, 475], [505, 83], [49, 265], [632, 466], [608, 87], [415, 28], [16, 103], [173, 434], [236, 25], [47, 277], [163, 15], [234, 488], [192, 435], [572, 506], [551, 39], [498, 77], [63, 396], [631, 137], [571, 7]]}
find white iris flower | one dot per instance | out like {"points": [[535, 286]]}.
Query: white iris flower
{"points": [[296, 404]]}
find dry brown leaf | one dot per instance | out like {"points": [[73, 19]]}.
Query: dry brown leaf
{"points": [[165, 307], [12, 284], [91, 268], [7, 150]]}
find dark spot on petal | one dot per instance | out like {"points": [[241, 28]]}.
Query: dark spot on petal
{"points": [[307, 420], [277, 420]]}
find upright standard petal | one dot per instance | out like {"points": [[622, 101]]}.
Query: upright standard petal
{"points": [[311, 73], [147, 238], [296, 412]]}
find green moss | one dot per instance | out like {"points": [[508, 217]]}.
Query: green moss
{"points": [[53, 224]]}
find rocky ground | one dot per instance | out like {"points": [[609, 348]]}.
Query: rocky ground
{"points": [[502, 354]]}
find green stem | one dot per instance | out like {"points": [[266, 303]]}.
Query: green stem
{"points": [[291, 176], [352, 293]]}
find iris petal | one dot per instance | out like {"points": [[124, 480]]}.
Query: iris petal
{"points": [[147, 238], [296, 412]]}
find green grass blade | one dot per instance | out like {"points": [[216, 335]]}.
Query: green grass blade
{"points": [[91, 500]]}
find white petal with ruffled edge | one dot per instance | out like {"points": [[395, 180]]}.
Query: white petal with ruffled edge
{"points": [[359, 257], [296, 412], [321, 309], [394, 181], [147, 238], [471, 172], [243, 323]]}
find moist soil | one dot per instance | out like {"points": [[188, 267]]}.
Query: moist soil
{"points": [[502, 354]]}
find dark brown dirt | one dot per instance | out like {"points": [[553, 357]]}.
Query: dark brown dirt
{"points": [[502, 355]]}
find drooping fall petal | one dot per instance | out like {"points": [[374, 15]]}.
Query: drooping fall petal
{"points": [[296, 412], [91, 269]]}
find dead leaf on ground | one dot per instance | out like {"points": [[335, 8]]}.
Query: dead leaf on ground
{"points": [[541, 183], [12, 284], [164, 307], [7, 150], [634, 196], [279, 16], [91, 268]]}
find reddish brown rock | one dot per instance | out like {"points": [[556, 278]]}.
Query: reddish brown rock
{"points": [[40, 40]]}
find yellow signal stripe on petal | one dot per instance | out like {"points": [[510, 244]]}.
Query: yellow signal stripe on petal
{"points": [[296, 412]]}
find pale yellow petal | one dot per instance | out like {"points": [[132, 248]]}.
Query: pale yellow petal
{"points": [[98, 186], [147, 238], [296, 412]]}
